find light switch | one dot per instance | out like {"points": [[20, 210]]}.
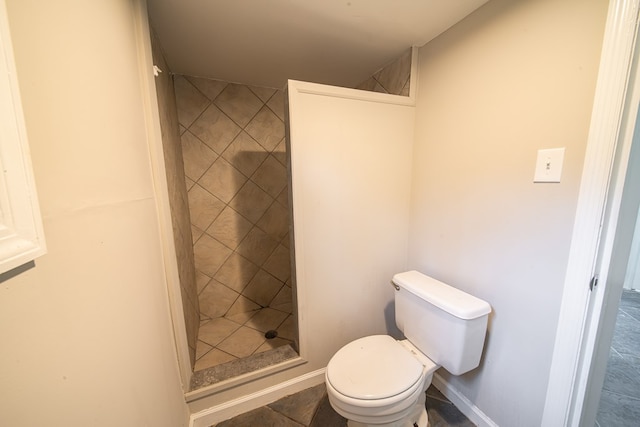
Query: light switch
{"points": [[549, 165]]}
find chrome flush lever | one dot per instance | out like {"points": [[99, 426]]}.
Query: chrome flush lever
{"points": [[395, 286]]}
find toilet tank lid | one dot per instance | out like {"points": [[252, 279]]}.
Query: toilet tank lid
{"points": [[454, 301]]}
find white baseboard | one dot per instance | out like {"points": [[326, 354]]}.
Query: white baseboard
{"points": [[243, 404], [463, 404]]}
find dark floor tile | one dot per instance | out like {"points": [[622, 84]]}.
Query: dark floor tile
{"points": [[618, 411], [630, 298], [262, 416], [445, 414], [623, 376], [634, 312], [434, 393], [626, 337], [620, 399], [311, 408], [301, 406], [326, 417]]}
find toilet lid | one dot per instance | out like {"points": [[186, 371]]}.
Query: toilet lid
{"points": [[373, 367]]}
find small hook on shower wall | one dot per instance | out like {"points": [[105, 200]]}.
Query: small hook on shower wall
{"points": [[156, 70]]}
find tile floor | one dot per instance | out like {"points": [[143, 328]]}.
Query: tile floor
{"points": [[222, 340], [311, 408], [620, 399]]}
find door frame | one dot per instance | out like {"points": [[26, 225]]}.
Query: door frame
{"points": [[591, 244]]}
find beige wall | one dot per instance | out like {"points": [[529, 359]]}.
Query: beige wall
{"points": [[86, 334], [177, 192], [512, 78]]}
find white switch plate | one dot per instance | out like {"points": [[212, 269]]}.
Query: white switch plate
{"points": [[549, 165]]}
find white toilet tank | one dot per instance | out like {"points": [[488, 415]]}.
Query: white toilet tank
{"points": [[445, 323]]}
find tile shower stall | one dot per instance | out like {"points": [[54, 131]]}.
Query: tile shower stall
{"points": [[235, 188], [233, 148]]}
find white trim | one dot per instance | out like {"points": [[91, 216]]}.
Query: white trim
{"points": [[564, 401], [463, 404], [161, 192], [243, 404], [343, 92], [21, 231], [232, 382]]}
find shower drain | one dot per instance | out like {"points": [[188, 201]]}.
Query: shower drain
{"points": [[271, 334]]}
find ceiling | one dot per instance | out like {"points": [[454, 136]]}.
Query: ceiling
{"points": [[266, 42]]}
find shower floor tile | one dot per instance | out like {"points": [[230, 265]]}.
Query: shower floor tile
{"points": [[223, 340]]}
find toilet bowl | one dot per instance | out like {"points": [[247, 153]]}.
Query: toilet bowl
{"points": [[379, 381]]}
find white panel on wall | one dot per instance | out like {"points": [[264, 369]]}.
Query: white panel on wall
{"points": [[351, 181], [21, 233]]}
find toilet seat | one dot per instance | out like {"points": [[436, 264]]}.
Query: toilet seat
{"points": [[377, 380], [376, 368]]}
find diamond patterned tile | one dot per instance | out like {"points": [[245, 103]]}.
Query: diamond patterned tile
{"points": [[189, 182], [266, 128], [275, 221], [203, 207], [209, 87], [214, 331], [189, 100], [202, 348], [285, 296], [215, 300], [276, 104], [279, 264], [242, 310], [283, 198], [263, 288], [286, 241], [209, 255], [257, 246], [196, 233], [213, 358], [264, 93], [236, 272], [272, 343], [287, 329], [197, 156], [222, 180], [243, 342], [266, 319], [394, 76], [262, 416], [215, 129], [271, 176], [245, 154], [300, 406], [201, 280], [236, 224], [280, 152], [251, 201], [239, 103], [229, 228]]}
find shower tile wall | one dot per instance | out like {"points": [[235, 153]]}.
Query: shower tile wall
{"points": [[177, 193], [235, 165], [393, 78]]}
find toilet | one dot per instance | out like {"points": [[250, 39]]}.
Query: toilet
{"points": [[380, 381]]}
